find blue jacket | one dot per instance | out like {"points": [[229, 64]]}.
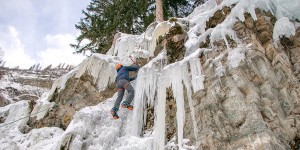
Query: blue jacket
{"points": [[123, 72]]}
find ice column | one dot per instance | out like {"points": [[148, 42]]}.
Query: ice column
{"points": [[160, 110], [145, 91], [177, 76]]}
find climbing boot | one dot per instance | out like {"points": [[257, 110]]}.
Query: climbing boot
{"points": [[127, 105], [114, 113]]}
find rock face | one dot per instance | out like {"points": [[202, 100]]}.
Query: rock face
{"points": [[218, 17], [255, 105], [173, 41], [78, 93], [3, 101]]}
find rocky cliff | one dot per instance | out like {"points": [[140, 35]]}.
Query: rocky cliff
{"points": [[22, 84], [254, 105]]}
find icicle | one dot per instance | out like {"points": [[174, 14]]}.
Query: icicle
{"points": [[101, 68], [221, 31], [160, 121], [197, 77], [251, 10], [191, 105], [139, 104], [178, 74], [145, 90], [173, 76]]}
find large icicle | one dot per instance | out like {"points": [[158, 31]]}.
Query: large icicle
{"points": [[177, 76], [146, 86], [191, 105], [197, 77], [160, 120]]}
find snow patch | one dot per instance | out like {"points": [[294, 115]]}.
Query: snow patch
{"points": [[18, 114], [283, 27], [235, 56]]}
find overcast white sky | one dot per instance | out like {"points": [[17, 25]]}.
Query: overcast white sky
{"points": [[39, 31]]}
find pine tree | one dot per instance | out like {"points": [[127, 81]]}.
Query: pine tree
{"points": [[58, 67], [32, 68], [103, 18], [48, 67], [37, 67]]}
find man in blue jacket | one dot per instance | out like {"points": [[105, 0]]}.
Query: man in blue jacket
{"points": [[123, 83]]}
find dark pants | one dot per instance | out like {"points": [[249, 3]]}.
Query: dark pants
{"points": [[123, 85]]}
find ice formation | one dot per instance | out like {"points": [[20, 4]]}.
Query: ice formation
{"points": [[283, 27], [95, 126], [161, 29], [146, 88], [235, 56], [177, 76], [17, 115]]}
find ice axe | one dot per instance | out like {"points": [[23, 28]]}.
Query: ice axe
{"points": [[139, 53], [132, 59]]}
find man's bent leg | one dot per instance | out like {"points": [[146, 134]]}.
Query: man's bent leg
{"points": [[130, 94], [119, 98]]}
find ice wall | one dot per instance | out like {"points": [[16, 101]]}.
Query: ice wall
{"points": [[17, 115], [125, 45], [145, 90], [177, 76]]}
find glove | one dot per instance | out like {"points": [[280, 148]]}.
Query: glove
{"points": [[133, 78]]}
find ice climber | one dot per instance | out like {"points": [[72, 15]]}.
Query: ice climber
{"points": [[123, 83]]}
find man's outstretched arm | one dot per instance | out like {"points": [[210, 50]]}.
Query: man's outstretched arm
{"points": [[132, 68]]}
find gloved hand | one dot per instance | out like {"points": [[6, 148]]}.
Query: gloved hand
{"points": [[133, 78]]}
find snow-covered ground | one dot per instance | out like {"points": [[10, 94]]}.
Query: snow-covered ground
{"points": [[93, 127]]}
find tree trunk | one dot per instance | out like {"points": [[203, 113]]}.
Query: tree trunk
{"points": [[159, 11], [219, 2]]}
